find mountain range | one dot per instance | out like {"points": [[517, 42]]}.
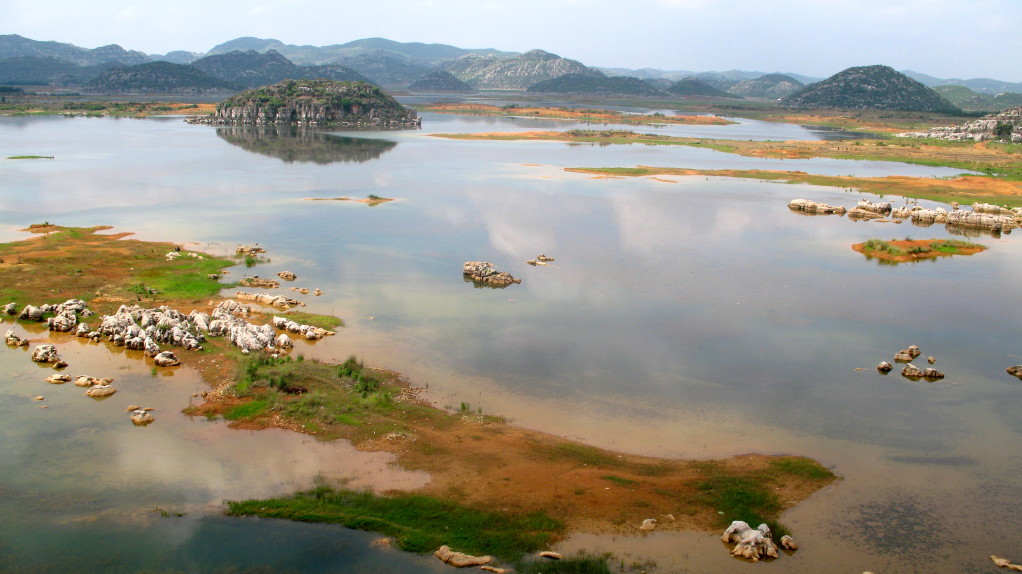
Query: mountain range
{"points": [[248, 62]]}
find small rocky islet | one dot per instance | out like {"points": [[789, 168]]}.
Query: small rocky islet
{"points": [[313, 103]]}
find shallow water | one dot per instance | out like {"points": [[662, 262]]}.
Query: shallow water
{"points": [[692, 317]]}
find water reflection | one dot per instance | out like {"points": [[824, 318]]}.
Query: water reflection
{"points": [[292, 144]]}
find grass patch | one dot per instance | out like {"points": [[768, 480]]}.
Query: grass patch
{"points": [[802, 467], [249, 410], [584, 454], [417, 523], [618, 480], [581, 563], [328, 322], [30, 157]]}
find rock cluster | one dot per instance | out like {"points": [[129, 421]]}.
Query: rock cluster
{"points": [[540, 259], [812, 207], [910, 371], [750, 543], [1003, 126], [483, 272], [257, 281], [278, 301], [983, 217]]}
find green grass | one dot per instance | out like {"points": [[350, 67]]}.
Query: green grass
{"points": [[580, 564], [584, 454], [186, 277], [249, 410], [881, 246], [417, 523], [618, 480], [30, 157], [750, 496], [328, 322]]}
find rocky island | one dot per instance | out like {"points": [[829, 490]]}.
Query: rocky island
{"points": [[320, 103]]}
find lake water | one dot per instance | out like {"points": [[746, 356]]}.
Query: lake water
{"points": [[686, 317]]}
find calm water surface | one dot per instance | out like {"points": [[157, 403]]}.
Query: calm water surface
{"points": [[683, 317]]}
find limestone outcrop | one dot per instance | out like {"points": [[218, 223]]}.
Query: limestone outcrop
{"points": [[321, 103], [1003, 126], [812, 207], [750, 543]]}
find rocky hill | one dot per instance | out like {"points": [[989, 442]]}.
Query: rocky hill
{"points": [[517, 73], [1003, 126], [157, 77], [579, 84], [385, 68], [12, 45], [320, 103], [870, 87], [250, 69], [693, 87], [439, 81], [769, 86]]}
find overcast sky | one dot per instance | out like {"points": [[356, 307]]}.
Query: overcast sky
{"points": [[943, 38]]}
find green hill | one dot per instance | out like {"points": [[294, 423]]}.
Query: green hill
{"points": [[694, 87], [439, 81], [251, 69], [162, 77], [769, 86], [870, 87]]}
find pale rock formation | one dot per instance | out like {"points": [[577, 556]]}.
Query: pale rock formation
{"points": [[287, 275], [885, 367], [99, 391], [911, 372], [812, 207], [749, 543], [648, 524], [788, 543], [459, 559], [141, 417], [166, 359], [45, 354]]}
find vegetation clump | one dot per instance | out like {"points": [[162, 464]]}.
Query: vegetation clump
{"points": [[417, 523], [909, 250]]}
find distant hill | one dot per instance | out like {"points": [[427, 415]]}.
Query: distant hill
{"points": [[517, 73], [46, 71], [386, 68], [439, 81], [579, 84], [970, 100], [157, 77], [12, 45], [430, 54], [870, 87], [986, 86], [251, 69], [247, 69], [769, 86], [176, 57], [694, 87]]}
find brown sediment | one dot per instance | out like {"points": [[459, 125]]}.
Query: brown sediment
{"points": [[579, 114], [905, 250], [963, 189]]}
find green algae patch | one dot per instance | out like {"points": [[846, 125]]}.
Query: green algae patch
{"points": [[416, 523]]}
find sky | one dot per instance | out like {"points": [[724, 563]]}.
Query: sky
{"points": [[944, 38]]}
